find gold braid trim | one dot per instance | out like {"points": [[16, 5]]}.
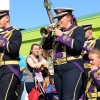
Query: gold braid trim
{"points": [[9, 33], [91, 45]]}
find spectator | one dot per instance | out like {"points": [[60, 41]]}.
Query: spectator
{"points": [[35, 62], [93, 84]]}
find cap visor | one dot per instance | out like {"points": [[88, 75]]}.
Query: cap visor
{"points": [[59, 16]]}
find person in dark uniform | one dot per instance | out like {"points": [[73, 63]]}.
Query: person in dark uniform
{"points": [[10, 42], [89, 44], [93, 85], [67, 44]]}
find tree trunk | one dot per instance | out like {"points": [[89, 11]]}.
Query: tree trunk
{"points": [[48, 9]]}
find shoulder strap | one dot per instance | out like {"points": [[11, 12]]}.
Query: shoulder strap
{"points": [[9, 33], [92, 43], [40, 57], [31, 58], [69, 33]]}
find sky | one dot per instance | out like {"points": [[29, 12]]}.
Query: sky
{"points": [[32, 13]]}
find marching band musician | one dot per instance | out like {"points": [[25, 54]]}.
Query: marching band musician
{"points": [[89, 44], [10, 42], [92, 91], [67, 44]]}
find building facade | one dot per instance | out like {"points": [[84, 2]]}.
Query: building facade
{"points": [[33, 35]]}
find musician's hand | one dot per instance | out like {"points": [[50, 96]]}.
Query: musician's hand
{"points": [[51, 26], [57, 32], [94, 67]]}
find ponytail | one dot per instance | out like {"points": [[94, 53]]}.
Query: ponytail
{"points": [[74, 21]]}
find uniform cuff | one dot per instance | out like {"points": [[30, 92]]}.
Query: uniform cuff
{"points": [[4, 43], [66, 40]]}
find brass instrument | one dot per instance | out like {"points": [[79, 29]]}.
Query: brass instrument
{"points": [[45, 31]]}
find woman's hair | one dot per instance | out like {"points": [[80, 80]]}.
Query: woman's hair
{"points": [[73, 19], [47, 53], [32, 47], [95, 51]]}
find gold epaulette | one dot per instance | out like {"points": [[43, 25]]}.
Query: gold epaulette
{"points": [[98, 71], [16, 28], [87, 65]]}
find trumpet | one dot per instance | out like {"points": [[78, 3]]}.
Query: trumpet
{"points": [[45, 31]]}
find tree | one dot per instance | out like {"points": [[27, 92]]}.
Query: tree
{"points": [[47, 5]]}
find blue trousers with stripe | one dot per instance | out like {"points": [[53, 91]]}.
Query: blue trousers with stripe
{"points": [[8, 83], [68, 81]]}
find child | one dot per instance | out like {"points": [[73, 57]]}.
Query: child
{"points": [[92, 91], [51, 91]]}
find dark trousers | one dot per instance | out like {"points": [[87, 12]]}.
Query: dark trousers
{"points": [[68, 81], [29, 86], [8, 83], [20, 90]]}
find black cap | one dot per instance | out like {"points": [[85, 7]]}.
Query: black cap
{"points": [[62, 11], [87, 26]]}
